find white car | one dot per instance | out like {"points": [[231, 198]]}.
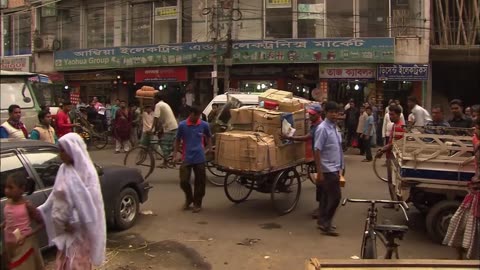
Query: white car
{"points": [[246, 99]]}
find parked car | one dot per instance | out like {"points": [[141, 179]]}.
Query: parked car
{"points": [[220, 100], [123, 189]]}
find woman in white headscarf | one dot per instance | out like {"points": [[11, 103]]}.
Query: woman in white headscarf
{"points": [[73, 213]]}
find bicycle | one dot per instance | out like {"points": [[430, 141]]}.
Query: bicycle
{"points": [[145, 156], [386, 232], [89, 132]]}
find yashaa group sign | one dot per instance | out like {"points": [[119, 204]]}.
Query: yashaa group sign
{"points": [[336, 50]]}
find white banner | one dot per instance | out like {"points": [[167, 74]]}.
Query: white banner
{"points": [[311, 11], [166, 13]]}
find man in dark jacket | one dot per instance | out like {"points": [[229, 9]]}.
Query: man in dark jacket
{"points": [[351, 122]]}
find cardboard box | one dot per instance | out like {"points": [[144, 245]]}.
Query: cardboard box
{"points": [[271, 122], [241, 116], [275, 94], [289, 154], [245, 150]]}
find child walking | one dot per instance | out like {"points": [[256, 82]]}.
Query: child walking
{"points": [[20, 244]]}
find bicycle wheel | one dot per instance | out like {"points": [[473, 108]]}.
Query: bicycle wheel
{"points": [[238, 187], [140, 158], [380, 168], [369, 250], [100, 140], [214, 171], [285, 191]]}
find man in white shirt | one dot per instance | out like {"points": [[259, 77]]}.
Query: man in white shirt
{"points": [[165, 124], [420, 115]]}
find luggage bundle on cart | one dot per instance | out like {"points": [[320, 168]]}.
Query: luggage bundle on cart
{"points": [[255, 155], [432, 171]]}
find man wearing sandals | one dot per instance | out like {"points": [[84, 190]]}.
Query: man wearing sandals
{"points": [[165, 125]]}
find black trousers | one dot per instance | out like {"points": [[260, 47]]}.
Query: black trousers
{"points": [[196, 195], [360, 144], [367, 148], [330, 198]]}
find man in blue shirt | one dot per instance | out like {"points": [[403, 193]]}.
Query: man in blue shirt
{"points": [[193, 133], [329, 163]]}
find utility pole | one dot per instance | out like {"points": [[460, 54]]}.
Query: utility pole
{"points": [[228, 52], [215, 47]]}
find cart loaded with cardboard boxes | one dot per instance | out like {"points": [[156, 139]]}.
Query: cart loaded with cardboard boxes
{"points": [[255, 155]]}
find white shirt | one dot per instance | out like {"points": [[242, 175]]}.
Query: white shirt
{"points": [[420, 116], [165, 114], [147, 119]]}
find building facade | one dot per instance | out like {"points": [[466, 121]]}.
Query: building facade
{"points": [[315, 48]]}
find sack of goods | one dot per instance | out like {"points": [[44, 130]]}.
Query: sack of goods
{"points": [[255, 141], [146, 91]]}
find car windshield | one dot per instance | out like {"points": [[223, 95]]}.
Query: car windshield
{"points": [[11, 91]]}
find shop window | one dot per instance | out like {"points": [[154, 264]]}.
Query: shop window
{"points": [[373, 18], [141, 24], [48, 20], [278, 21], [116, 25], [16, 34], [166, 20], [311, 18], [70, 25], [95, 25], [340, 18]]}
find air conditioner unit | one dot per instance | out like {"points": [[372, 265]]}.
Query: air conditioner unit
{"points": [[46, 43], [3, 4]]}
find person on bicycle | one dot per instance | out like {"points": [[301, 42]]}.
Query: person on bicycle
{"points": [[165, 124], [394, 112], [314, 113], [329, 162], [193, 133]]}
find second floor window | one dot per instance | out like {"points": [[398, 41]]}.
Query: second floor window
{"points": [[16, 34]]}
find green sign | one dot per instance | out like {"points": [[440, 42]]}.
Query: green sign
{"points": [[339, 50]]}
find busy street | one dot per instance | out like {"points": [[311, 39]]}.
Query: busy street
{"points": [[251, 235]]}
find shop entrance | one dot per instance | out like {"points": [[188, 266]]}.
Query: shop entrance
{"points": [[342, 91]]}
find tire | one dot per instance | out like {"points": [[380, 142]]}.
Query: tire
{"points": [[284, 184], [213, 170], [377, 169], [100, 140], [142, 159], [369, 250], [438, 219], [237, 188], [127, 209]]}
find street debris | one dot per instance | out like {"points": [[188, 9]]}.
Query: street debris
{"points": [[266, 257], [355, 257], [147, 213], [270, 226], [248, 242]]}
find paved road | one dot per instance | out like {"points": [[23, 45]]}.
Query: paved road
{"points": [[284, 242]]}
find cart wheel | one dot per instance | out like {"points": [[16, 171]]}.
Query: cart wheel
{"points": [[100, 140], [286, 191], [218, 175], [237, 187]]}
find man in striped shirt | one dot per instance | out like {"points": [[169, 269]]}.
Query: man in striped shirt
{"points": [[394, 112]]}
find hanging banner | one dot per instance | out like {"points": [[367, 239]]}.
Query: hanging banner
{"points": [[166, 13], [334, 50], [278, 3], [402, 72], [176, 74], [311, 11], [347, 72]]}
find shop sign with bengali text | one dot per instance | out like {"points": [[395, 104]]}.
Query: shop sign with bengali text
{"points": [[278, 3], [311, 11], [334, 50], [166, 13], [16, 3], [174, 74], [17, 63], [402, 72], [347, 72]]}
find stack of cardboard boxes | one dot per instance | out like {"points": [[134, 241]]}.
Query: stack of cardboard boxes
{"points": [[255, 142]]}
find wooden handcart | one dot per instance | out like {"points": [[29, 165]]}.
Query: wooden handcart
{"points": [[284, 185]]}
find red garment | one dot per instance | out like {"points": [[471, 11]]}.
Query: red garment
{"points": [[64, 125], [123, 124], [396, 134]]}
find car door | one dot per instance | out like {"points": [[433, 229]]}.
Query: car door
{"points": [[12, 162]]}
